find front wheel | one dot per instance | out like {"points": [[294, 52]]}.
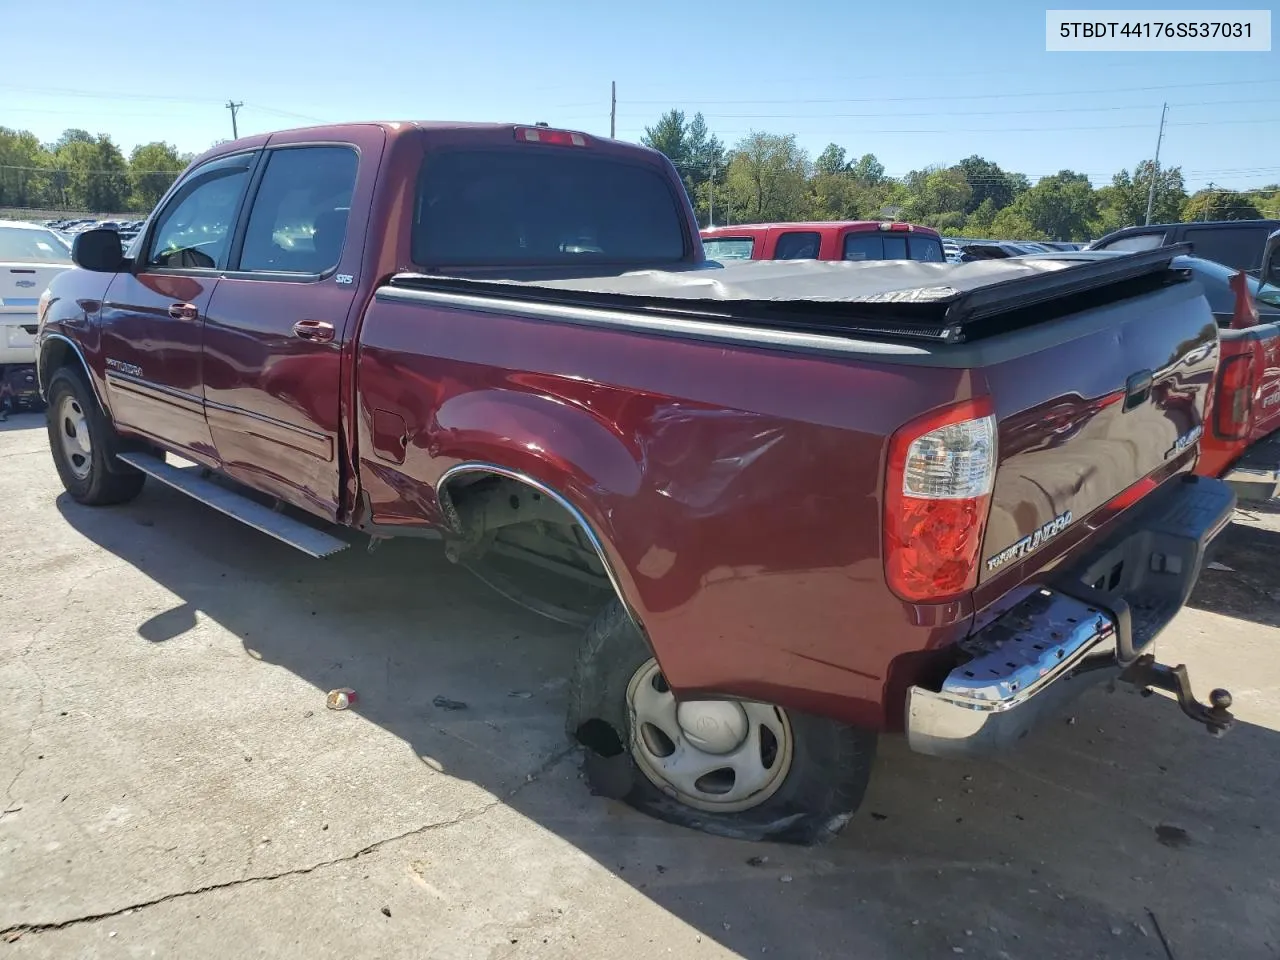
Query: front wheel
{"points": [[84, 445], [729, 767]]}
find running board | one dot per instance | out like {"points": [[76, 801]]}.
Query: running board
{"points": [[190, 481]]}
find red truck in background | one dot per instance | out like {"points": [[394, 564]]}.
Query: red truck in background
{"points": [[1241, 441], [853, 240], [795, 505]]}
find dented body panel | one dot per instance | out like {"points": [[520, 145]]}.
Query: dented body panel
{"points": [[734, 486]]}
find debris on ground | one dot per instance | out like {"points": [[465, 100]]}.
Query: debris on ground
{"points": [[1215, 565], [444, 703], [1172, 836], [757, 861], [386, 911], [340, 699], [879, 816], [520, 694]]}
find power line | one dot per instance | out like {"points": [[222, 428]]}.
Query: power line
{"points": [[963, 113], [976, 96]]}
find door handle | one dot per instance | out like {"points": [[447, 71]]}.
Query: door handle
{"points": [[316, 331], [184, 311]]}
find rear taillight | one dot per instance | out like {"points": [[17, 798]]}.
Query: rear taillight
{"points": [[1234, 401], [559, 138], [897, 226], [937, 494]]}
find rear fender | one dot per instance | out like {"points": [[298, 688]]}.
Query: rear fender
{"points": [[587, 466]]}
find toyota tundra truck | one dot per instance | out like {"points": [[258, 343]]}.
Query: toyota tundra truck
{"points": [[793, 506]]}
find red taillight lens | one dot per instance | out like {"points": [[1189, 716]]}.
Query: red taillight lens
{"points": [[897, 226], [937, 494], [559, 138], [1233, 405]]}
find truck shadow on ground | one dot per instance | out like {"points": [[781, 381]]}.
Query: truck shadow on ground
{"points": [[1243, 581], [22, 421], [1098, 838]]}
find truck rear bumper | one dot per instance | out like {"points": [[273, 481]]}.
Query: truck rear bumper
{"points": [[1097, 621], [1256, 475]]}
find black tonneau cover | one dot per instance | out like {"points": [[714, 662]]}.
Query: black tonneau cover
{"points": [[948, 302]]}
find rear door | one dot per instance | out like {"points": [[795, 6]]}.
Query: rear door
{"points": [[153, 317], [280, 317]]}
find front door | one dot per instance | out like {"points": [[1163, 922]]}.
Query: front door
{"points": [[277, 324], [153, 317]]}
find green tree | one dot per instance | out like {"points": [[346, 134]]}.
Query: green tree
{"points": [[1011, 224], [988, 182], [152, 169], [978, 223], [1060, 207], [1124, 202], [768, 179], [868, 170], [21, 169], [96, 174], [696, 153], [934, 192], [831, 161], [1218, 204]]}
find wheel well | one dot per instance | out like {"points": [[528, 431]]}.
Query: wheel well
{"points": [[493, 511], [56, 354]]}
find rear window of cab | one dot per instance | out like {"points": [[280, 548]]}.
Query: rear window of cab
{"points": [[893, 246], [729, 248]]}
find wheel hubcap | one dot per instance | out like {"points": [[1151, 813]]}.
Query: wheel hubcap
{"points": [[714, 755], [73, 430]]}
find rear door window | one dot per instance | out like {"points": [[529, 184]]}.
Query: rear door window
{"points": [[797, 245], [728, 248], [299, 219], [1239, 247], [1137, 241], [543, 206]]}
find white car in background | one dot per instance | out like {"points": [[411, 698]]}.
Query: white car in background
{"points": [[30, 256]]}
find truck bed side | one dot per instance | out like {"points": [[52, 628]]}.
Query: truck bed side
{"points": [[738, 491]]}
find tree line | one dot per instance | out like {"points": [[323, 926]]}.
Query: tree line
{"points": [[768, 177], [84, 172], [764, 177]]}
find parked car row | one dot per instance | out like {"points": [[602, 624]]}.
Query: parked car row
{"points": [[794, 506], [127, 229]]}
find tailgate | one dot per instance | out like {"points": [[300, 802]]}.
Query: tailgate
{"points": [[20, 287], [1083, 419]]}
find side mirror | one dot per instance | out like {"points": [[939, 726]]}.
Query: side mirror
{"points": [[99, 251], [1271, 260]]}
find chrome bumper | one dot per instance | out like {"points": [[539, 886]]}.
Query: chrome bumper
{"points": [[1033, 660]]}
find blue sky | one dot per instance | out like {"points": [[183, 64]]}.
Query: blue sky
{"points": [[914, 83]]}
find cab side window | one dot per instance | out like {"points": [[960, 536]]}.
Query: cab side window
{"points": [[797, 245], [298, 223], [193, 231]]}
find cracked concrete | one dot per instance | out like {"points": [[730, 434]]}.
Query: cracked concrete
{"points": [[178, 789]]}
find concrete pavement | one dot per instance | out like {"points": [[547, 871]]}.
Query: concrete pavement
{"points": [[174, 786]]}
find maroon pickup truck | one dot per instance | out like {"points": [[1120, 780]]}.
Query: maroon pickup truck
{"points": [[794, 505]]}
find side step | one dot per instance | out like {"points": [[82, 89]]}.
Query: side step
{"points": [[297, 534]]}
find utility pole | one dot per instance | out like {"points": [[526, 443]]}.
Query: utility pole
{"points": [[233, 107], [1155, 168], [613, 109], [711, 198]]}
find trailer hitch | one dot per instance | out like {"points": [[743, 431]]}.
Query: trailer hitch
{"points": [[1147, 675]]}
